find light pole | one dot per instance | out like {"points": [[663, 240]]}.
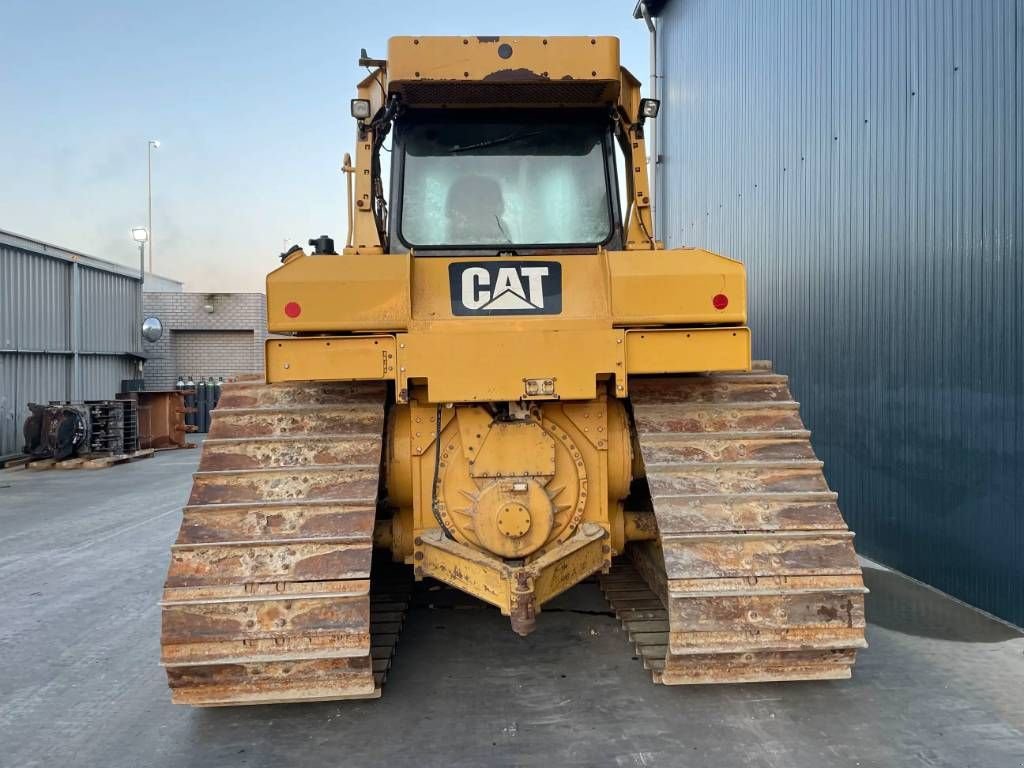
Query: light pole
{"points": [[140, 235], [153, 144]]}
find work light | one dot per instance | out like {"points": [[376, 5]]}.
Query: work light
{"points": [[649, 108], [360, 108]]}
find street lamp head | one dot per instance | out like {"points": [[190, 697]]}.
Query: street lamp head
{"points": [[140, 234], [155, 143]]}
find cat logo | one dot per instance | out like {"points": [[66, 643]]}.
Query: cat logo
{"points": [[506, 287]]}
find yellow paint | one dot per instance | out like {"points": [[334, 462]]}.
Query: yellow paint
{"points": [[484, 366], [484, 359], [508, 449], [512, 448], [639, 225], [496, 582], [675, 287], [605, 289], [585, 296], [469, 60], [366, 237], [487, 366], [340, 293], [352, 358], [691, 350], [564, 464], [470, 72]]}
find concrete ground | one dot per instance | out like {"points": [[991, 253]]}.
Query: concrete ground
{"points": [[82, 560]]}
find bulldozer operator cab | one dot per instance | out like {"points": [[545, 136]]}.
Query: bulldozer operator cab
{"points": [[489, 182]]}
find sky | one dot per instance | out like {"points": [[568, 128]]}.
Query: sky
{"points": [[250, 101]]}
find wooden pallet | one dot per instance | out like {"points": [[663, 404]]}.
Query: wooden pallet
{"points": [[16, 462], [103, 462], [176, 447], [90, 462]]}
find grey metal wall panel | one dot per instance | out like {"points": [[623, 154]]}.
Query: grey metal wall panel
{"points": [[28, 378], [44, 322], [102, 375], [109, 312], [27, 283], [863, 158], [10, 410]]}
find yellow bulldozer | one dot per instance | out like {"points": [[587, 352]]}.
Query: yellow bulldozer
{"points": [[503, 382]]}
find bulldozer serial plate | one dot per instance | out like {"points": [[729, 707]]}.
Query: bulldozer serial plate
{"points": [[506, 287]]}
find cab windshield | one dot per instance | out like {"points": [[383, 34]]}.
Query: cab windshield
{"points": [[483, 182]]}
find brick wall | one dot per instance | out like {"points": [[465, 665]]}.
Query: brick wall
{"points": [[199, 342]]}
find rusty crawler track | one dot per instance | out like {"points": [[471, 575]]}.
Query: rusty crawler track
{"points": [[754, 577], [268, 596]]}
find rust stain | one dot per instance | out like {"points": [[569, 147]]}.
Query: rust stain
{"points": [[520, 75], [828, 612], [773, 592], [249, 533]]}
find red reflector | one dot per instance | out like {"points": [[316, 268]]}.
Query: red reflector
{"points": [[720, 300], [292, 309]]}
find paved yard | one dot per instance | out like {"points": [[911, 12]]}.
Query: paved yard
{"points": [[82, 560]]}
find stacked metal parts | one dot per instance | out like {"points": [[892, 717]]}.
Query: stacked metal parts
{"points": [[64, 430], [113, 426], [55, 431]]}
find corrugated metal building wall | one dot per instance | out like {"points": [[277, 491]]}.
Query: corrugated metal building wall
{"points": [[864, 159], [69, 329]]}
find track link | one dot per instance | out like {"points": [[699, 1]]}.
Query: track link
{"points": [[268, 596], [754, 577]]}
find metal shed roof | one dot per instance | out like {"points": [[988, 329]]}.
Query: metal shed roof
{"points": [[64, 254]]}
